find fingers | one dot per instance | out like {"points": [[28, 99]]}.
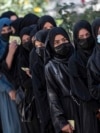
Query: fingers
{"points": [[12, 95]]}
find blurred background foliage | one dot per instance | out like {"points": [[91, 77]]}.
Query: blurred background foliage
{"points": [[65, 14]]}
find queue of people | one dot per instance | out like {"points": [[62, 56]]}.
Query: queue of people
{"points": [[49, 83]]}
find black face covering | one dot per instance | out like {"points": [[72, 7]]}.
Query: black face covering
{"points": [[6, 36], [28, 45], [86, 44], [62, 50], [40, 51]]}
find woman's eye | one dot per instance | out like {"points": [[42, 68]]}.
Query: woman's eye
{"points": [[64, 40], [56, 42]]}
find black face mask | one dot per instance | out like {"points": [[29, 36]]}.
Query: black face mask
{"points": [[6, 36], [86, 44], [28, 45], [63, 50], [40, 51]]}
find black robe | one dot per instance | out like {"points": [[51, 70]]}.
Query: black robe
{"points": [[93, 73], [40, 92], [79, 89], [26, 83], [62, 107]]}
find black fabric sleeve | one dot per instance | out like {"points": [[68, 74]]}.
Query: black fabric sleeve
{"points": [[94, 84], [57, 113]]}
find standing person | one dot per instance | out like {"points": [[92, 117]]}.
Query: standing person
{"points": [[38, 81], [93, 65], [46, 22], [62, 107], [30, 124], [84, 45], [8, 110]]}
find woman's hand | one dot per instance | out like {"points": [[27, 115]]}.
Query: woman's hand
{"points": [[67, 129], [13, 47], [12, 94]]}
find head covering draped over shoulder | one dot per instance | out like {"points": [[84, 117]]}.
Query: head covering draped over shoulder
{"points": [[94, 61]]}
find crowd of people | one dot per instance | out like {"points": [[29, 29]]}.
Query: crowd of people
{"points": [[48, 83]]}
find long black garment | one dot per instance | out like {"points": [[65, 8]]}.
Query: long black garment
{"points": [[79, 83], [26, 83], [93, 73], [79, 88], [62, 106], [39, 85], [94, 64], [39, 88]]}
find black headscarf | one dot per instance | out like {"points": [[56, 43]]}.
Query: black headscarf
{"points": [[82, 24], [33, 31], [28, 20], [8, 14], [16, 25], [25, 31], [82, 56], [95, 27], [44, 19], [27, 45], [41, 35], [50, 53]]}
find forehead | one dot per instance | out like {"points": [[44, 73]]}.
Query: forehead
{"points": [[25, 37], [5, 27], [59, 36], [47, 24], [82, 32]]}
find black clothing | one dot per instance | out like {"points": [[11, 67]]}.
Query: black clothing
{"points": [[62, 107], [43, 20], [25, 31], [79, 82], [95, 27], [29, 20], [16, 25], [39, 85], [8, 14]]}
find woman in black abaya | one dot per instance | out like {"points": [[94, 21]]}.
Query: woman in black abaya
{"points": [[94, 64], [84, 44], [38, 80], [62, 106], [30, 122]]}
